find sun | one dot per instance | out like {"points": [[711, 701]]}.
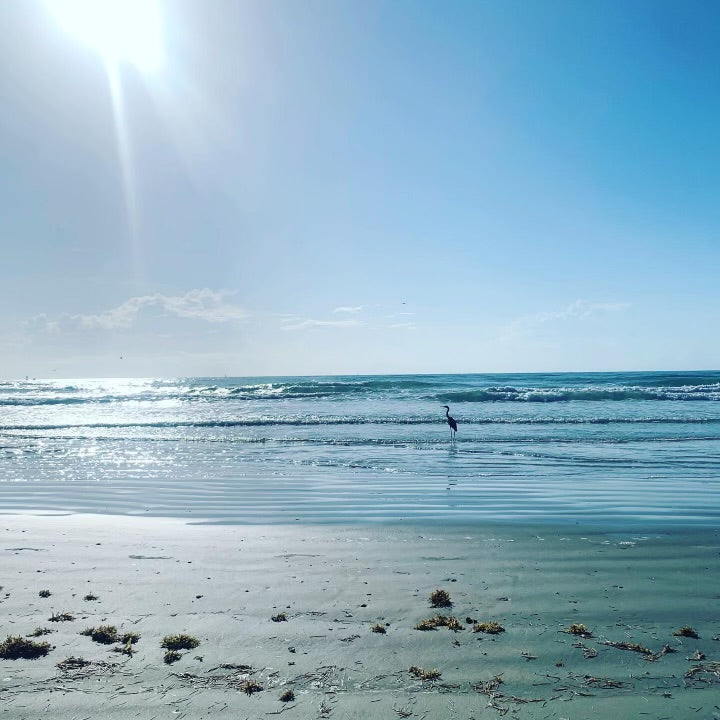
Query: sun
{"points": [[119, 30]]}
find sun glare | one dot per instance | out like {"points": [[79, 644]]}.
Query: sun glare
{"points": [[119, 30]]}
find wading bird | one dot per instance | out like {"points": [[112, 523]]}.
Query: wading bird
{"points": [[451, 422]]}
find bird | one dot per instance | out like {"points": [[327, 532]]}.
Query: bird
{"points": [[451, 422]]}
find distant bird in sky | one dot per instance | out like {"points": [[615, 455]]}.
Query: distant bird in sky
{"points": [[451, 422]]}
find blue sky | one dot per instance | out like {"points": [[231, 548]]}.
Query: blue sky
{"points": [[341, 187]]}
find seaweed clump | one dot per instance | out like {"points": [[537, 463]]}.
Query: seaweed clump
{"points": [[250, 687], [489, 687], [91, 596], [103, 634], [686, 631], [126, 643], [18, 648], [280, 617], [378, 628], [72, 663], [491, 628], [61, 617], [580, 630], [171, 656], [179, 642], [440, 598], [40, 631], [633, 647], [423, 674], [287, 695], [448, 621]]}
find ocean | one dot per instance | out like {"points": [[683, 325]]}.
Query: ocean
{"points": [[638, 450]]}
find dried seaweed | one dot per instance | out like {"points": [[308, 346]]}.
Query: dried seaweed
{"points": [[702, 671], [491, 628], [656, 656], [423, 674], [580, 630], [179, 642], [604, 683], [448, 621], [250, 687], [440, 598], [78, 668], [18, 648], [634, 647], [103, 634]]}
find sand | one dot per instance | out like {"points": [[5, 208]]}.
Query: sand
{"points": [[223, 585]]}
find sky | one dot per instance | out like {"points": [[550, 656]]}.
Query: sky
{"points": [[339, 186]]}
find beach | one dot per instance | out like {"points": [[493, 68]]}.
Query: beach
{"points": [[244, 548], [327, 587]]}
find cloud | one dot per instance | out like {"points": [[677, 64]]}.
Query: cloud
{"points": [[205, 304], [42, 323], [577, 310], [349, 309], [302, 323]]}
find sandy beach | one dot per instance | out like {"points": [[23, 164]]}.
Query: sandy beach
{"points": [[302, 609]]}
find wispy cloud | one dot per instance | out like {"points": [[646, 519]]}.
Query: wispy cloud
{"points": [[579, 309], [302, 323], [42, 323], [203, 304], [354, 309]]}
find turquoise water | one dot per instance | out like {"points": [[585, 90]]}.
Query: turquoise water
{"points": [[640, 449]]}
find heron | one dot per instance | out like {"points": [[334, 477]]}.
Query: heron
{"points": [[451, 422]]}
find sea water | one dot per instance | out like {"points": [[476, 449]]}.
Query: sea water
{"points": [[624, 449]]}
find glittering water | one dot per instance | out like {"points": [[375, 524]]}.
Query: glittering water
{"points": [[638, 448]]}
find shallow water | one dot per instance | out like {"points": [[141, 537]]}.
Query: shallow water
{"points": [[625, 449]]}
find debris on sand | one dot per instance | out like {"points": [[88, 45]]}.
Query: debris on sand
{"points": [[18, 648], [580, 630], [249, 687], [448, 621], [686, 631], [440, 598], [171, 656], [179, 642], [491, 628], [103, 634], [423, 674], [634, 647], [40, 631]]}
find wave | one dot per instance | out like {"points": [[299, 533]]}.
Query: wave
{"points": [[591, 394], [332, 421], [442, 389], [31, 394]]}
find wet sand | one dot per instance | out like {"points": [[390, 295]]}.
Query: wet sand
{"points": [[224, 584]]}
